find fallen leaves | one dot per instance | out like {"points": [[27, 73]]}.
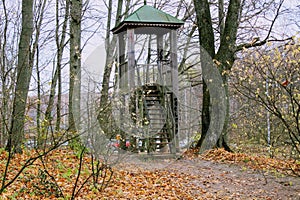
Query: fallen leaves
{"points": [[158, 184], [287, 167], [54, 177]]}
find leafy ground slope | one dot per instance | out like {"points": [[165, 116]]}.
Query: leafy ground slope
{"points": [[215, 175]]}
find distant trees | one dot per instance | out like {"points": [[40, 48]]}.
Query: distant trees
{"points": [[269, 82], [7, 63], [34, 82], [45, 31], [62, 14]]}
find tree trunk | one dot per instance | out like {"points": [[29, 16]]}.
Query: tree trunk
{"points": [[24, 70], [223, 141], [75, 64], [225, 56], [205, 31], [110, 45], [205, 117], [224, 60], [4, 78], [56, 79]]}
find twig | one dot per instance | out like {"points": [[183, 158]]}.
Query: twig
{"points": [[78, 175]]}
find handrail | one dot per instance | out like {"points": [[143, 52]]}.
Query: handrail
{"points": [[151, 73]]}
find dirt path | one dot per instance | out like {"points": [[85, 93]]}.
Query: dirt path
{"points": [[226, 181]]}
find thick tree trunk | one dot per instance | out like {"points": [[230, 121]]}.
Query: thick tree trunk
{"points": [[223, 141], [24, 70], [205, 117], [224, 60], [206, 39], [225, 56]]}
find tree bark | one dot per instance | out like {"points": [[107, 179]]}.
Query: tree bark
{"points": [[75, 64], [225, 56], [110, 45], [24, 70], [206, 39], [4, 77], [224, 59]]}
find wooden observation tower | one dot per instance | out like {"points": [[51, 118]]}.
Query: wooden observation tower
{"points": [[148, 78]]}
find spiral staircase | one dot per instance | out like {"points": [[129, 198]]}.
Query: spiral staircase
{"points": [[154, 108]]}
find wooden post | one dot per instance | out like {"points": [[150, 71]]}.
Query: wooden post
{"points": [[174, 64], [131, 59], [174, 68], [160, 55], [133, 98], [123, 81]]}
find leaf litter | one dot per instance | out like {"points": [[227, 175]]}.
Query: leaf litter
{"points": [[215, 175]]}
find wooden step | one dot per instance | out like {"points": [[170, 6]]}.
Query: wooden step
{"points": [[156, 114], [160, 133], [163, 139], [160, 143]]}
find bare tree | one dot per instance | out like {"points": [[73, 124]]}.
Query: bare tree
{"points": [[8, 39], [24, 70], [272, 83], [75, 61], [110, 45], [56, 82]]}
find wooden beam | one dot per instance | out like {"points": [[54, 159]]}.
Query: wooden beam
{"points": [[131, 58], [160, 55], [123, 81], [174, 63]]}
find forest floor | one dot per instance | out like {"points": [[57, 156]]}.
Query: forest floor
{"points": [[215, 175]]}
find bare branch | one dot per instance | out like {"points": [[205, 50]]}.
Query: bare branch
{"points": [[255, 41]]}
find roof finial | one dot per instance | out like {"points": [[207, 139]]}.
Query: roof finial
{"points": [[145, 2]]}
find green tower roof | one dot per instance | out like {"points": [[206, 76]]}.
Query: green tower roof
{"points": [[148, 16]]}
